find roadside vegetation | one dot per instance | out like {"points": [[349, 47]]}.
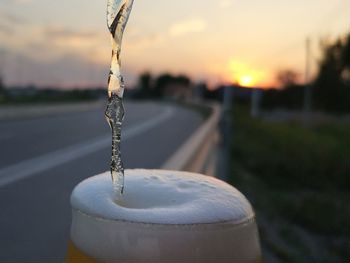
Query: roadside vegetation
{"points": [[36, 96], [297, 180]]}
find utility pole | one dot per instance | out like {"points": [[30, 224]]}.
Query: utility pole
{"points": [[307, 89], [255, 102], [225, 126], [2, 71]]}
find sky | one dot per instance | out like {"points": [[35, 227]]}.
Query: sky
{"points": [[66, 43]]}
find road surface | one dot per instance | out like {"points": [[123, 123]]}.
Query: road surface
{"points": [[42, 159]]}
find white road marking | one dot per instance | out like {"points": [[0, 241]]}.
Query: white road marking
{"points": [[16, 172]]}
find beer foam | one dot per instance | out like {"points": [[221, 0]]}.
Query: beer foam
{"points": [[162, 197]]}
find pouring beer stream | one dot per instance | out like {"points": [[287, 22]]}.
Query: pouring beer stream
{"points": [[118, 12]]}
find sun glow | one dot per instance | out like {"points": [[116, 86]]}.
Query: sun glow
{"points": [[244, 75], [246, 81]]}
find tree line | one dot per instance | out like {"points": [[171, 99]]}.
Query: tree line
{"points": [[330, 88]]}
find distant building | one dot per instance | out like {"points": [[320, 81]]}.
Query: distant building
{"points": [[173, 87], [21, 91], [177, 91]]}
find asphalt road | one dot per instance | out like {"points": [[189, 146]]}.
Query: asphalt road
{"points": [[42, 159]]}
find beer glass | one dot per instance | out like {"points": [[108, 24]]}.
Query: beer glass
{"points": [[163, 216]]}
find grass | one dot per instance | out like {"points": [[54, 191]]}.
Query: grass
{"points": [[298, 180]]}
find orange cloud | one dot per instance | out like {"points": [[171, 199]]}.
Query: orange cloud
{"points": [[192, 25]]}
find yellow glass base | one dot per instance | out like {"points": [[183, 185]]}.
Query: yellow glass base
{"points": [[75, 256]]}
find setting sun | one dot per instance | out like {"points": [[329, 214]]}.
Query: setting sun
{"points": [[244, 75], [246, 81]]}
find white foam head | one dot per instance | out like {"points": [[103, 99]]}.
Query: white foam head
{"points": [[164, 216], [162, 197]]}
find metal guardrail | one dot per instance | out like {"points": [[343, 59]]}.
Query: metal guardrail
{"points": [[198, 153]]}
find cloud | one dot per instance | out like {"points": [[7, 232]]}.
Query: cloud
{"points": [[225, 3], [68, 70], [68, 34], [16, 2], [12, 19], [64, 40], [5, 30], [143, 41], [192, 25], [9, 23], [23, 1]]}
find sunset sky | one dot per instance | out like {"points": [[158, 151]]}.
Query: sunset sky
{"points": [[66, 42]]}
